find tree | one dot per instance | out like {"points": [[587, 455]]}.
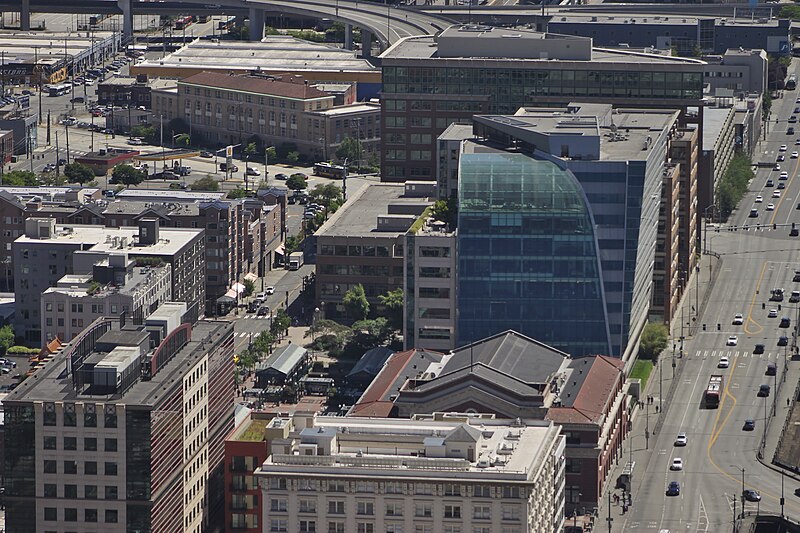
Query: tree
{"points": [[237, 193], [791, 12], [79, 173], [326, 194], [280, 323], [653, 340], [205, 184], [356, 304], [272, 154], [249, 287], [297, 182], [292, 244], [20, 178], [6, 339], [263, 342], [393, 301], [371, 333], [127, 175], [250, 150], [248, 358], [329, 336], [293, 157], [148, 133], [183, 140], [446, 211], [350, 149]]}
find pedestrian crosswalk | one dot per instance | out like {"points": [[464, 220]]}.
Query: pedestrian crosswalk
{"points": [[730, 354]]}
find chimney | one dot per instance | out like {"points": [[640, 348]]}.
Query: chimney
{"points": [[148, 231]]}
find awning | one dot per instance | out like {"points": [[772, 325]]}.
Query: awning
{"points": [[230, 294], [237, 287], [250, 277], [280, 250]]}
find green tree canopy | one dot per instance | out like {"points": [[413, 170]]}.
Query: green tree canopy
{"points": [[78, 173], [6, 339], [393, 301], [296, 182], [371, 333], [350, 149], [183, 140], [127, 175], [20, 178], [237, 193], [205, 184], [250, 150], [263, 342], [329, 336], [249, 287], [280, 323], [326, 193], [733, 185], [148, 133], [446, 211], [355, 301], [653, 340]]}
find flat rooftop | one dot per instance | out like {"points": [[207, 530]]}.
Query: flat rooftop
{"points": [[165, 195], [48, 44], [714, 119], [365, 446], [350, 109], [51, 194], [100, 239], [424, 47], [359, 216], [52, 384], [276, 53], [622, 18]]}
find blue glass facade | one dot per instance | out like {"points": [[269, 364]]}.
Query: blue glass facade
{"points": [[528, 257]]}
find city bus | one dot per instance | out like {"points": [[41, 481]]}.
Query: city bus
{"points": [[714, 391], [329, 170], [183, 22], [59, 90]]}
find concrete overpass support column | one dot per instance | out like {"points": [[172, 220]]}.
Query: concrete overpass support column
{"points": [[127, 19], [348, 36], [366, 43], [25, 16], [256, 24]]}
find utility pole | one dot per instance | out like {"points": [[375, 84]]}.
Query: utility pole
{"points": [[609, 519], [66, 134], [660, 386], [647, 427], [58, 167]]}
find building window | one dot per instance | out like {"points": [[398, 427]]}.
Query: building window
{"points": [[70, 443], [90, 417], [70, 514], [90, 444], [70, 467], [452, 511], [111, 492], [111, 516], [111, 469], [279, 525], [511, 513], [308, 526], [336, 527], [482, 512], [335, 507], [90, 492], [90, 515], [365, 527], [49, 443], [49, 467], [90, 468], [50, 514], [111, 445], [278, 505], [423, 509], [49, 414], [71, 491], [365, 508], [50, 490]]}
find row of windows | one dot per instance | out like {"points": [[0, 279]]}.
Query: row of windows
{"points": [[111, 516], [71, 444], [71, 491], [396, 487], [71, 467], [355, 250], [480, 511]]}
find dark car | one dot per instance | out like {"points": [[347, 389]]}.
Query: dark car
{"points": [[749, 425], [794, 232], [252, 307], [783, 340], [770, 183], [758, 349], [785, 322], [796, 277], [772, 369], [789, 131], [751, 495], [781, 185], [674, 488], [206, 154], [263, 311], [224, 167], [281, 176], [797, 492], [763, 391]]}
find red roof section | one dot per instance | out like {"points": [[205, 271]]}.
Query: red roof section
{"points": [[287, 86], [593, 395], [374, 401]]}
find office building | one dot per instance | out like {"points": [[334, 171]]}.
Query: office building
{"points": [[434, 473], [364, 243], [47, 252], [557, 225], [717, 148], [431, 82], [738, 70], [108, 286], [123, 430], [281, 110], [687, 35]]}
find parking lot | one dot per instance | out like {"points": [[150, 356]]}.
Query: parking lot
{"points": [[10, 376]]}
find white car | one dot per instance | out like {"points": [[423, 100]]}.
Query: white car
{"points": [[261, 296], [681, 439], [784, 175], [733, 340], [253, 171], [770, 207], [759, 199], [773, 313], [270, 290], [776, 194], [724, 362], [738, 319], [783, 148], [677, 464], [794, 155]]}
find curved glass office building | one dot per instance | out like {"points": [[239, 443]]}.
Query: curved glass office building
{"points": [[527, 255]]}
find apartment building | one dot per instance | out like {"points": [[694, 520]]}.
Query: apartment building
{"points": [[430, 285], [431, 82], [108, 287], [130, 436], [227, 109], [431, 474], [364, 243], [47, 252]]}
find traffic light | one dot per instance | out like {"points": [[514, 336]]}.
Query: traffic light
{"points": [[704, 327], [774, 226], [719, 327]]}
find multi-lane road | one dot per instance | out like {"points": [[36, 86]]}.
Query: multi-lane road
{"points": [[719, 453]]}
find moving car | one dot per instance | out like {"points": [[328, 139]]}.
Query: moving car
{"points": [[674, 488], [759, 199], [751, 495], [772, 369], [270, 290], [759, 349], [781, 185], [749, 425], [261, 296], [770, 207], [281, 176], [773, 313], [794, 297], [733, 340], [724, 362], [770, 183], [738, 319], [677, 464], [795, 155], [784, 175], [754, 213], [681, 439], [783, 340], [252, 307], [796, 277], [776, 194], [263, 311], [780, 158], [206, 154], [224, 167], [252, 171], [763, 391], [785, 322], [783, 148]]}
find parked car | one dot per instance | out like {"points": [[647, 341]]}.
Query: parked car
{"points": [[281, 176], [251, 171]]}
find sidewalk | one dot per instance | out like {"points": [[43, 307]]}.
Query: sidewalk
{"points": [[645, 422]]}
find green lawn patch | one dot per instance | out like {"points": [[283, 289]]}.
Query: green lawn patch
{"points": [[641, 370]]}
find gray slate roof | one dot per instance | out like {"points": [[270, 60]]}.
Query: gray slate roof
{"points": [[284, 359]]}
